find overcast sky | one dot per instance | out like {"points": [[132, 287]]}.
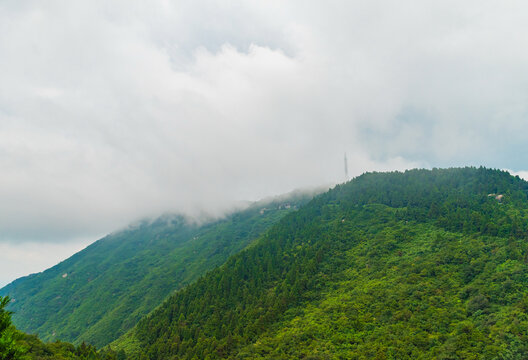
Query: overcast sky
{"points": [[115, 110]]}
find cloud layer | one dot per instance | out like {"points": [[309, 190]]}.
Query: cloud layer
{"points": [[113, 111]]}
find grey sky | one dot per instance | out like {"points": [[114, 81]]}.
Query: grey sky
{"points": [[110, 111]]}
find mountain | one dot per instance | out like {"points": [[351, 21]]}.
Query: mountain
{"points": [[99, 293], [424, 264]]}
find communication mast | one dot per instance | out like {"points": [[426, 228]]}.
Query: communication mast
{"points": [[346, 168]]}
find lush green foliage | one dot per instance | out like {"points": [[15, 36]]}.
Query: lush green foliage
{"points": [[415, 265], [15, 345], [58, 350], [10, 349], [102, 291]]}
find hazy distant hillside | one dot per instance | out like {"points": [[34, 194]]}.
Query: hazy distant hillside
{"points": [[102, 291], [415, 265]]}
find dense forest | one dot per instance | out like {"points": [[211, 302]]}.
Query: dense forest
{"points": [[15, 345], [102, 291], [421, 264], [416, 265]]}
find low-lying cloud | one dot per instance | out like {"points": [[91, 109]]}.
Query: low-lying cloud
{"points": [[114, 111]]}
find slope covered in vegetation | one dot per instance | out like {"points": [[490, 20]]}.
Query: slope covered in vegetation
{"points": [[102, 291], [415, 265], [15, 345]]}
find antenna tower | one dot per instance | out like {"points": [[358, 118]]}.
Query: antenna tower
{"points": [[346, 168]]}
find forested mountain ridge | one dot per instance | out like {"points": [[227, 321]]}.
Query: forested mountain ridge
{"points": [[415, 265], [102, 291]]}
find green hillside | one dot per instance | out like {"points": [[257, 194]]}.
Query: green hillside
{"points": [[102, 291], [15, 345], [414, 265]]}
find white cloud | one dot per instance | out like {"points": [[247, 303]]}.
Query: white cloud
{"points": [[112, 111]]}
